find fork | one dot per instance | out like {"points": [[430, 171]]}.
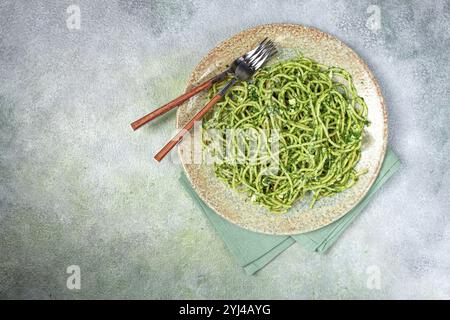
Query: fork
{"points": [[243, 72], [203, 86]]}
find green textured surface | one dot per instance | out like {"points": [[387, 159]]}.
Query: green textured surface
{"points": [[79, 187]]}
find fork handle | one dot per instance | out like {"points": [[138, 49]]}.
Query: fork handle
{"points": [[177, 101], [179, 136]]}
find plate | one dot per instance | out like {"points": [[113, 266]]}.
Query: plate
{"points": [[236, 207]]}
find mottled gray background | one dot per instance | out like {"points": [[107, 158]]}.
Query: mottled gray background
{"points": [[77, 186]]}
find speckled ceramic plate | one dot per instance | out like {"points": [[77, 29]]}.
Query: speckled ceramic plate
{"points": [[327, 50]]}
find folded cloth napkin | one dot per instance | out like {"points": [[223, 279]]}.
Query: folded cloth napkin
{"points": [[254, 250]]}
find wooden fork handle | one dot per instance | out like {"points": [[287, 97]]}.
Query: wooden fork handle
{"points": [[179, 136], [177, 101]]}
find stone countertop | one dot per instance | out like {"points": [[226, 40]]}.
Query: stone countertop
{"points": [[79, 187]]}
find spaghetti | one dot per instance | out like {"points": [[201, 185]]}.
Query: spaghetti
{"points": [[319, 121]]}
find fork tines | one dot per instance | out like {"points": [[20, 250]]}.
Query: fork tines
{"points": [[265, 50]]}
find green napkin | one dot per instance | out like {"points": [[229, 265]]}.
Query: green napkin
{"points": [[254, 250]]}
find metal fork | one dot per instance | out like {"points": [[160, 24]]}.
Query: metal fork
{"points": [[203, 86], [244, 70]]}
